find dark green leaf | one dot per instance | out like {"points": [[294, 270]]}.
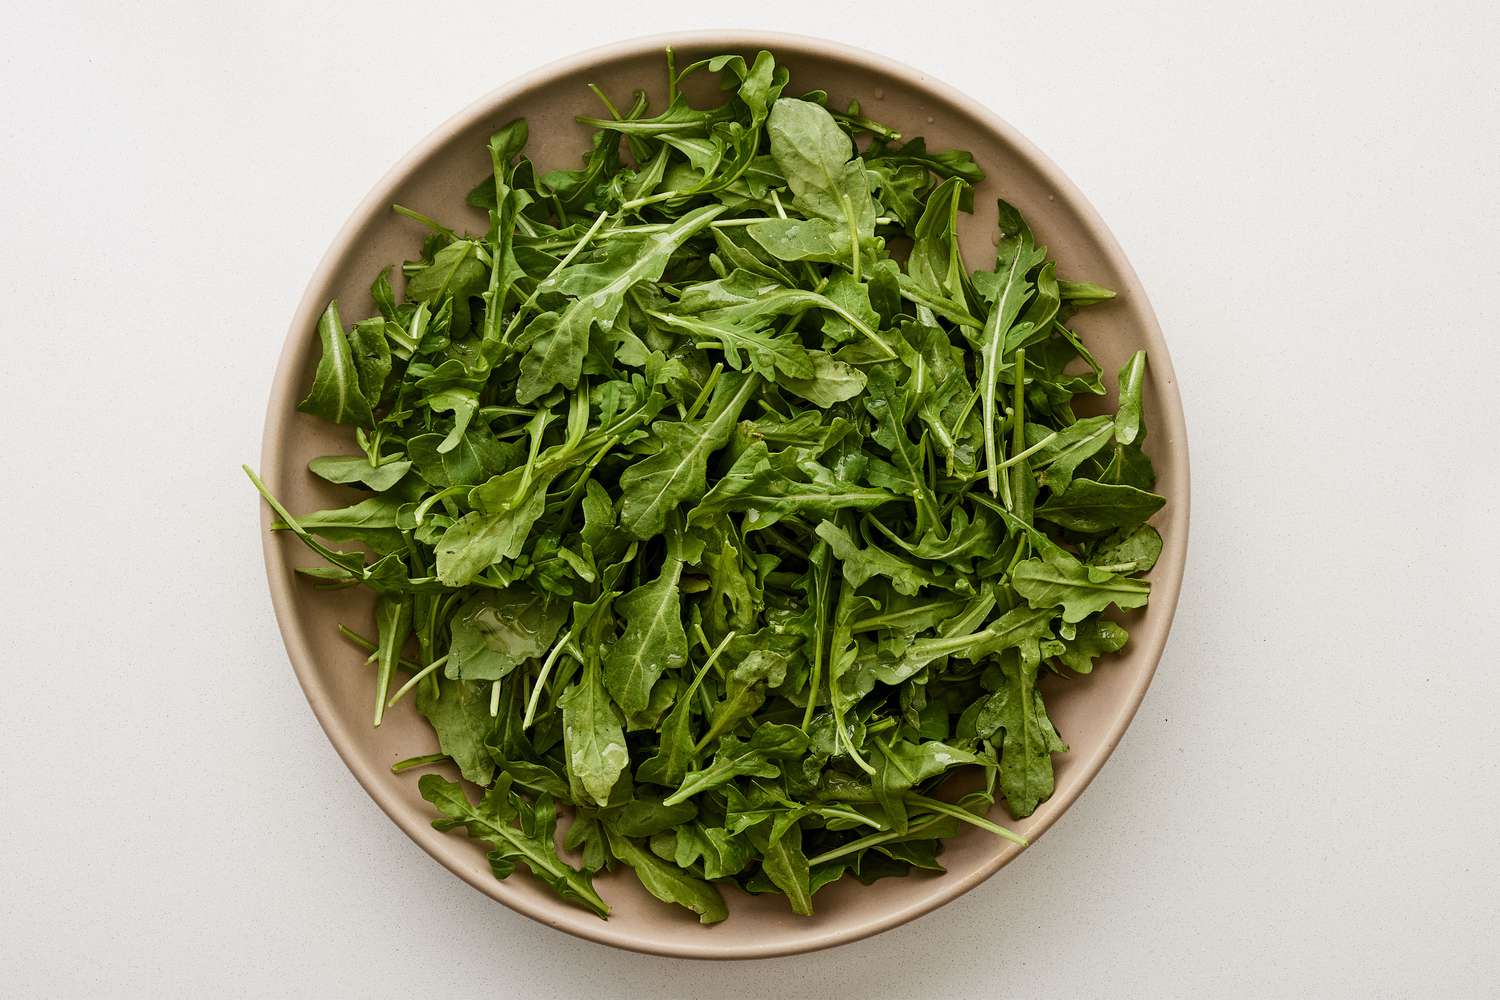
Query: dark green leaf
{"points": [[1094, 508]]}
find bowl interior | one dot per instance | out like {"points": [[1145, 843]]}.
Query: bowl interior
{"points": [[1090, 712]]}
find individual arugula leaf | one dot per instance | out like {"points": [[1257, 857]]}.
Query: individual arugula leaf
{"points": [[646, 816], [886, 401], [1083, 293], [744, 297], [1069, 448], [815, 157], [459, 712], [340, 392], [936, 263], [495, 632], [800, 239], [766, 488], [833, 381], [1092, 638], [668, 882], [653, 642], [1016, 253], [499, 531], [1017, 626], [455, 273], [677, 750], [357, 469], [783, 862], [1128, 551], [944, 163], [769, 355], [1028, 738], [862, 563], [515, 831], [373, 521], [1132, 382], [1062, 581], [1094, 508], [593, 734], [476, 458], [712, 849], [745, 690]]}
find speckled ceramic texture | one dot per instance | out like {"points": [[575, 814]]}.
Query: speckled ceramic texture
{"points": [[1091, 712]]}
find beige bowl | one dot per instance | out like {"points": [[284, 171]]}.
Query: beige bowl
{"points": [[1090, 712]]}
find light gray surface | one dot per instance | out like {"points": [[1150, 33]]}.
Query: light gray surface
{"points": [[1307, 801]]}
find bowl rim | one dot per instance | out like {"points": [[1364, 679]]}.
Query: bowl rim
{"points": [[284, 391]]}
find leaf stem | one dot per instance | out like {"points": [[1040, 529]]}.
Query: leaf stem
{"points": [[1018, 457], [614, 112], [1018, 434], [651, 199], [948, 809], [425, 220], [871, 840], [415, 679], [426, 760], [339, 559], [420, 511], [703, 394], [541, 678]]}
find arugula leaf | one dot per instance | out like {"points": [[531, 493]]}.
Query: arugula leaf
{"points": [[800, 239], [766, 488], [1016, 254], [782, 860], [1062, 581], [357, 469], [339, 393], [515, 832], [719, 853], [669, 883], [459, 712], [1093, 508], [832, 381], [769, 355], [1029, 740], [497, 631], [1132, 380], [1068, 448], [1091, 639], [592, 736], [1132, 552], [814, 155], [936, 264], [654, 640]]}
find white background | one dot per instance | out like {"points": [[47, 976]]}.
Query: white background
{"points": [[1309, 800]]}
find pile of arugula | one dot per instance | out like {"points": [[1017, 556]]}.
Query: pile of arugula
{"points": [[695, 508]]}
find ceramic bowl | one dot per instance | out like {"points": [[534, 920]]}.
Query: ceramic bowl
{"points": [[1091, 712]]}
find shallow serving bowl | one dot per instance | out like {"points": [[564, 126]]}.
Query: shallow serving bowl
{"points": [[1091, 712]]}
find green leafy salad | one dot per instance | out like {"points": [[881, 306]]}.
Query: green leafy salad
{"points": [[709, 495]]}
